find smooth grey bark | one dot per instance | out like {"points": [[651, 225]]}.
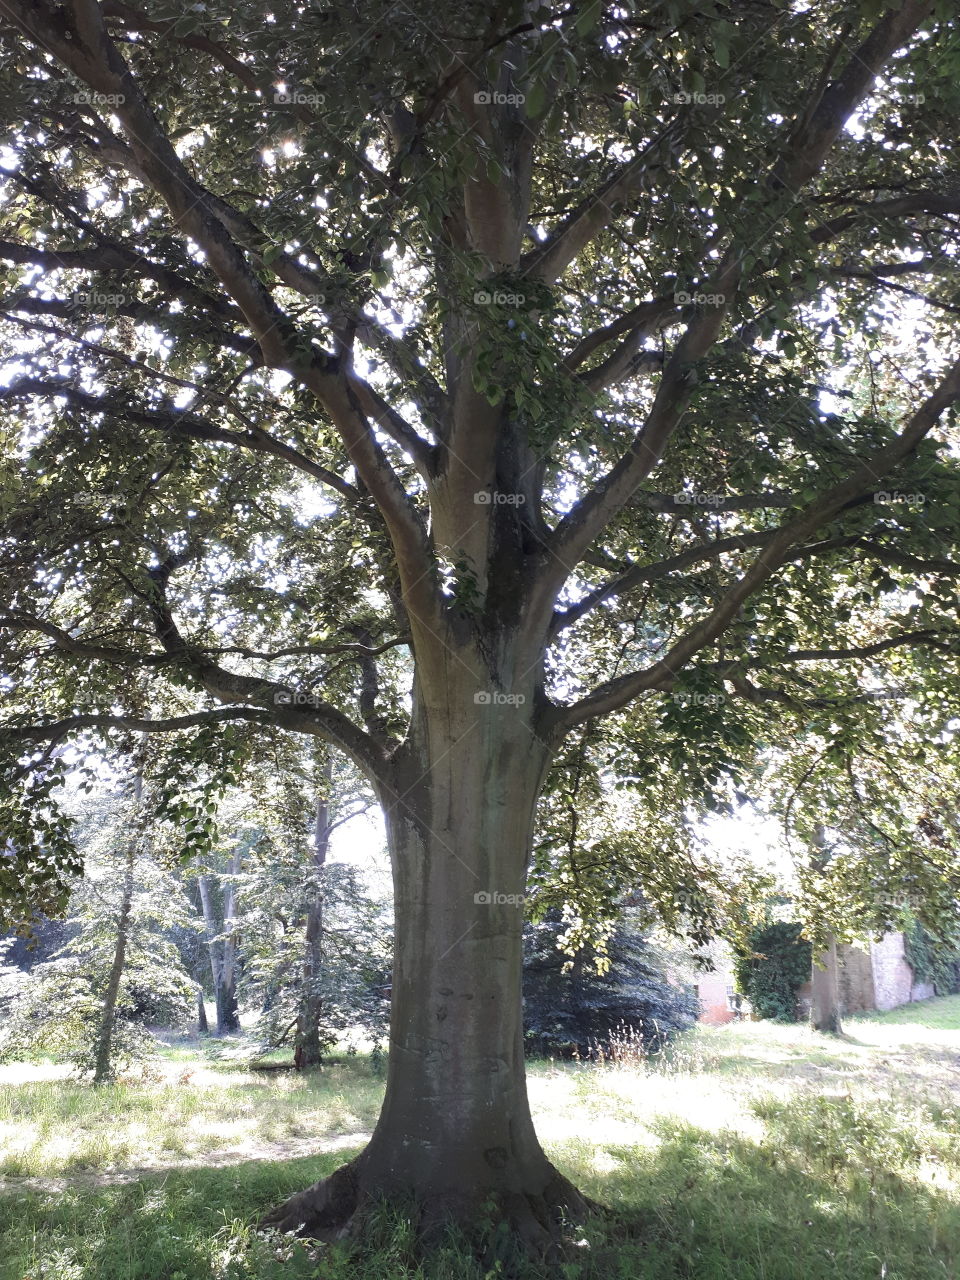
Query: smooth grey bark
{"points": [[228, 1015], [455, 1128], [825, 1013]]}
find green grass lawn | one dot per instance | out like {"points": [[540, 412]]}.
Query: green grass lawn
{"points": [[749, 1152]]}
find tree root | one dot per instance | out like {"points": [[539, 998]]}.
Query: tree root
{"points": [[344, 1205], [321, 1212]]}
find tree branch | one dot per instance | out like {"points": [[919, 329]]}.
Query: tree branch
{"points": [[549, 260], [639, 574], [57, 730], [803, 156], [219, 230], [929, 637], [640, 322], [616, 693], [180, 423]]}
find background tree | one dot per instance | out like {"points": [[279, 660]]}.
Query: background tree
{"points": [[583, 1004], [325, 989], [120, 970], [825, 1011], [889, 858], [438, 391], [316, 955], [218, 903]]}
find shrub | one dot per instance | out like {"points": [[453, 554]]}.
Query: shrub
{"points": [[772, 966], [571, 1009]]}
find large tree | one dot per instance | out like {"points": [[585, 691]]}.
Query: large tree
{"points": [[443, 381]]}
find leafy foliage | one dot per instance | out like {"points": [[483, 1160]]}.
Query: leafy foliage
{"points": [[932, 959], [175, 505], [576, 1004], [772, 967], [58, 1005]]}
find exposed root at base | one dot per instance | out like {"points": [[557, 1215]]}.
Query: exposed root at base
{"points": [[538, 1224], [321, 1212]]}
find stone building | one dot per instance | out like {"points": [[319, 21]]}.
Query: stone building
{"points": [[876, 975]]}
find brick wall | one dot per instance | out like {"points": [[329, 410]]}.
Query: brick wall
{"points": [[892, 976], [712, 991], [857, 990], [874, 978]]}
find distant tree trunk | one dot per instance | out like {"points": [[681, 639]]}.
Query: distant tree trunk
{"points": [[825, 990], [221, 942], [824, 972], [202, 1025], [308, 1049], [103, 1064], [228, 1016]]}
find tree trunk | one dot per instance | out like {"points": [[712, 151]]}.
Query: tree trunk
{"points": [[202, 1025], [103, 1064], [455, 1132], [309, 1049], [825, 973], [222, 955], [825, 990], [228, 1014]]}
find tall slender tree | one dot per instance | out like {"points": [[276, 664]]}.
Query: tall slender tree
{"points": [[218, 902], [441, 387], [103, 1055], [117, 969]]}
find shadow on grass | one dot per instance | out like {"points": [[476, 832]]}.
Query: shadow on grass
{"points": [[193, 1224], [701, 1206]]}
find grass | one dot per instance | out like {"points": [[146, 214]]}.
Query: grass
{"points": [[748, 1152], [181, 1113]]}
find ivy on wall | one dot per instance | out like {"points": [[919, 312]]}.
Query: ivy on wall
{"points": [[771, 968], [932, 959]]}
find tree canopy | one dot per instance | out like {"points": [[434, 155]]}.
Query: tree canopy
{"points": [[460, 385], [259, 295]]}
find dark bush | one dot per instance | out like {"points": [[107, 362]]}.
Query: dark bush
{"points": [[772, 967], [578, 1012]]}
